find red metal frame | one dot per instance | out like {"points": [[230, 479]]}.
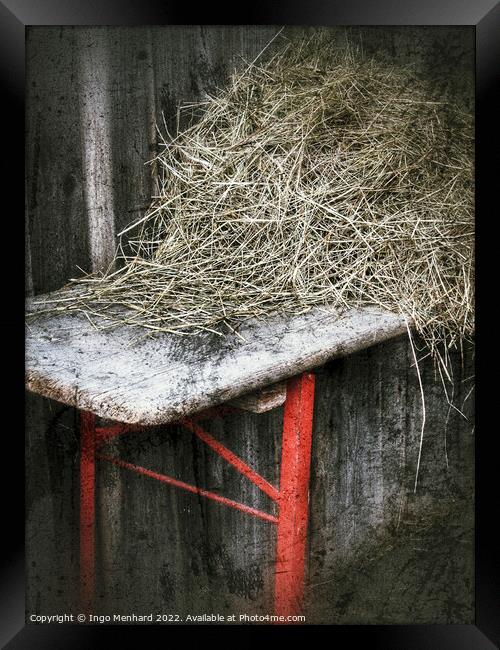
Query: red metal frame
{"points": [[292, 498]]}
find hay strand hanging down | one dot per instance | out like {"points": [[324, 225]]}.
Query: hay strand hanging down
{"points": [[317, 178]]}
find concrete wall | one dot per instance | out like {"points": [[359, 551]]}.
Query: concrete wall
{"points": [[378, 553]]}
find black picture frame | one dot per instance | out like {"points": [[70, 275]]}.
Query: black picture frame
{"points": [[484, 15]]}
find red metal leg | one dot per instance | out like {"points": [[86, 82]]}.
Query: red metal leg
{"points": [[294, 495], [87, 510]]}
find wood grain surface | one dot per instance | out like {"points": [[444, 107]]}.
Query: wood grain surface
{"points": [[121, 374]]}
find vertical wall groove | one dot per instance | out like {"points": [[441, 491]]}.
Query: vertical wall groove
{"points": [[97, 145]]}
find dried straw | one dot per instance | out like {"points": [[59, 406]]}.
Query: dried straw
{"points": [[317, 178]]}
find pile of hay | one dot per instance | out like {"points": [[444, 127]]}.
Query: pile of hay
{"points": [[317, 178]]}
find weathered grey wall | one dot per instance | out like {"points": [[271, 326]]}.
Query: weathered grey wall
{"points": [[378, 553]]}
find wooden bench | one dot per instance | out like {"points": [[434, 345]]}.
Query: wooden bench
{"points": [[134, 381]]}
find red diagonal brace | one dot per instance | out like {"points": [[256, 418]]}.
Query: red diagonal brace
{"points": [[110, 431], [232, 459], [190, 488]]}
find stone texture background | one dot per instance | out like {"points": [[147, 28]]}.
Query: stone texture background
{"points": [[378, 553]]}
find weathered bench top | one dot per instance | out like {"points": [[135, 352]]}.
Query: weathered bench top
{"points": [[121, 375]]}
